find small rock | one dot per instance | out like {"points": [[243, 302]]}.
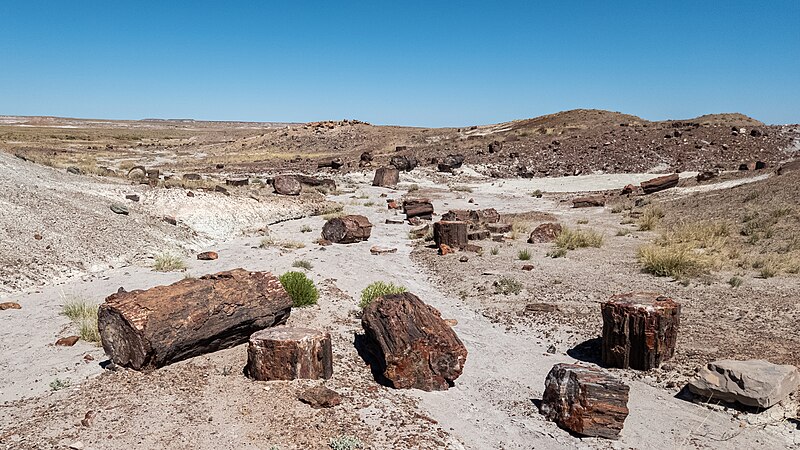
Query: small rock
{"points": [[221, 190], [472, 248], [37, 236], [377, 250], [119, 209], [527, 267], [589, 201], [77, 445], [88, 418], [463, 259], [74, 170], [189, 194], [451, 322], [320, 397], [68, 341], [132, 197], [170, 220], [9, 305], [444, 249], [395, 221], [207, 256], [551, 349], [472, 200], [498, 227]]}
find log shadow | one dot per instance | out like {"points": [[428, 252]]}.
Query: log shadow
{"points": [[590, 351], [367, 353]]}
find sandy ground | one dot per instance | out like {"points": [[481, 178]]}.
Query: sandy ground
{"points": [[206, 402]]}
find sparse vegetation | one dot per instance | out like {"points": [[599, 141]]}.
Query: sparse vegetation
{"points": [[519, 228], [305, 229], [650, 218], [345, 443], [583, 221], [557, 253], [676, 261], [289, 245], [83, 314], [537, 193], [571, 239], [495, 251], [413, 187], [460, 188], [58, 384], [507, 285], [300, 288], [623, 232], [368, 204], [333, 215], [735, 282], [524, 255], [168, 262], [378, 289], [303, 264]]}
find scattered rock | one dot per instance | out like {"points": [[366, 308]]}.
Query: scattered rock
{"points": [[706, 175], [77, 445], [478, 235], [74, 170], [386, 177], [444, 249], [755, 383], [391, 204], [419, 233], [472, 248], [527, 267], [347, 229], [132, 197], [498, 227], [541, 308], [207, 256], [418, 207], [551, 349], [170, 220], [192, 177], [37, 236], [117, 208], [411, 345], [189, 194], [334, 164], [403, 163], [463, 259], [286, 185], [237, 182], [221, 190], [545, 233], [391, 221], [289, 353], [757, 165], [495, 146], [628, 189], [589, 201], [660, 183], [450, 163], [68, 341], [585, 400], [320, 397], [88, 418], [377, 250]]}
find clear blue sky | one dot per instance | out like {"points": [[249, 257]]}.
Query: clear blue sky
{"points": [[411, 63]]}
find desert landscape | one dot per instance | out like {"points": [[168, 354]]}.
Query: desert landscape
{"points": [[584, 279]]}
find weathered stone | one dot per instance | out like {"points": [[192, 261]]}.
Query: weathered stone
{"points": [[498, 227], [171, 220], [418, 207], [628, 189], [444, 249], [463, 259], [473, 216], [347, 229], [545, 233], [706, 175], [472, 248], [478, 235], [207, 256], [335, 164], [153, 174], [495, 146], [419, 233], [286, 185], [454, 234], [660, 183], [192, 177], [377, 250], [392, 204], [68, 341], [639, 330], [588, 201], [541, 308], [754, 383], [585, 400], [117, 208], [9, 305], [386, 177], [403, 163], [391, 221], [412, 347], [527, 267], [289, 353], [320, 397], [132, 197], [73, 170], [450, 162], [307, 180], [237, 182], [152, 328], [221, 190]]}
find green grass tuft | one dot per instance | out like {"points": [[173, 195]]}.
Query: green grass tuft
{"points": [[378, 289], [300, 288]]}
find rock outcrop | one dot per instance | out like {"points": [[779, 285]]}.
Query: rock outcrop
{"points": [[754, 383]]}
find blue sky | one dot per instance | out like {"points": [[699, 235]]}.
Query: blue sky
{"points": [[408, 63]]}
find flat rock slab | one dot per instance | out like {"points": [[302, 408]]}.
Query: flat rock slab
{"points": [[755, 383], [289, 353], [320, 397], [585, 400], [589, 201]]}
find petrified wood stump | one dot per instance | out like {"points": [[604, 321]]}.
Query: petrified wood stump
{"points": [[639, 330], [585, 400], [453, 233], [149, 329], [289, 353], [660, 183], [347, 229], [412, 346], [418, 207], [386, 177]]}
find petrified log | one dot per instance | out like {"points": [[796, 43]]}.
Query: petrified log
{"points": [[450, 162], [418, 207], [460, 215], [289, 353], [480, 216], [412, 346], [585, 400], [237, 181], [660, 183], [639, 330], [588, 201], [347, 229], [286, 185], [544, 233], [499, 227], [314, 181], [335, 164], [386, 177], [148, 329], [403, 163], [452, 233], [478, 235]]}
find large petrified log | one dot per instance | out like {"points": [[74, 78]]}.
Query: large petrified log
{"points": [[315, 181], [412, 346], [347, 229], [289, 353], [386, 177], [451, 233], [639, 330], [473, 216], [450, 163], [418, 207], [660, 183], [148, 329], [546, 232], [585, 400], [286, 185], [588, 201]]}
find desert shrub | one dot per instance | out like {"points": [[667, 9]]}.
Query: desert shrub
{"points": [[507, 285], [495, 251], [413, 187], [460, 188], [345, 443], [378, 289], [289, 245], [570, 239], [677, 261], [735, 282], [616, 209], [167, 262], [557, 253], [303, 264], [583, 221], [650, 218], [368, 204], [83, 314], [519, 228], [329, 210], [524, 255], [300, 288], [305, 229], [57, 384], [623, 232], [537, 193]]}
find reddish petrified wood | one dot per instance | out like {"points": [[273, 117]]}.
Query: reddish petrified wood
{"points": [[660, 183], [499, 227], [453, 233], [289, 353], [639, 330], [588, 201], [418, 207], [546, 232], [347, 229], [286, 185], [478, 235], [412, 346], [149, 329], [585, 400], [386, 177], [479, 216]]}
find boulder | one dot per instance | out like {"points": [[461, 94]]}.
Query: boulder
{"points": [[347, 229], [320, 397], [335, 164], [403, 163], [386, 177], [289, 353], [286, 185], [411, 345], [308, 180], [588, 201], [660, 183], [754, 383], [418, 207], [450, 162], [585, 400], [545, 233]]}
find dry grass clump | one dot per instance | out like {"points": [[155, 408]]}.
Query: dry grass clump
{"points": [[329, 210], [303, 264], [688, 250], [289, 245], [167, 262], [519, 229], [524, 255], [83, 314], [651, 218], [570, 239]]}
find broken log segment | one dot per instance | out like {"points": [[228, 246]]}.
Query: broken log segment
{"points": [[145, 330], [418, 207], [639, 330], [411, 345], [660, 183], [585, 400], [588, 201], [386, 177], [289, 353], [347, 229], [451, 233]]}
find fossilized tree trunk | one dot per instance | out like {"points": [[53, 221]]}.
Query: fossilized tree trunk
{"points": [[289, 353], [418, 207], [347, 229], [386, 177], [451, 233]]}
